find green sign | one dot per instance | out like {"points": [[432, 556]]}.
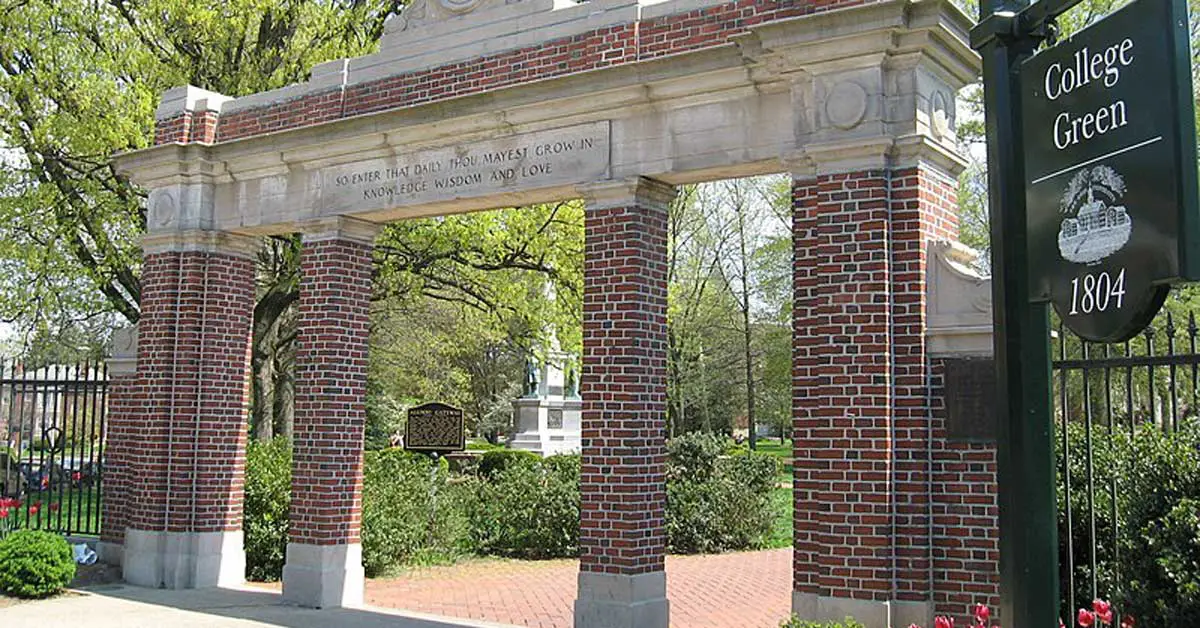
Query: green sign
{"points": [[1110, 167]]}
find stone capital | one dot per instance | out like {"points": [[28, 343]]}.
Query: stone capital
{"points": [[635, 191], [339, 228], [199, 241]]}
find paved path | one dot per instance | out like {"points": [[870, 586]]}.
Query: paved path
{"points": [[743, 590], [123, 606], [747, 590]]}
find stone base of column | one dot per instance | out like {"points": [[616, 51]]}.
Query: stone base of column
{"points": [[183, 560], [618, 601], [870, 613], [324, 576], [110, 553]]}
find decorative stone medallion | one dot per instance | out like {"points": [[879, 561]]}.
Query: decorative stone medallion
{"points": [[164, 209], [846, 105], [941, 115]]}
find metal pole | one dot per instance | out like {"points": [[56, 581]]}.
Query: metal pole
{"points": [[1025, 453]]}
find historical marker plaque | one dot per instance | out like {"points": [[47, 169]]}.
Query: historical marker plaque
{"points": [[435, 427], [1110, 166]]}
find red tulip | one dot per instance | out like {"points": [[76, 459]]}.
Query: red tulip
{"points": [[1103, 611], [1127, 621], [3, 512], [982, 613], [54, 507], [33, 510], [943, 622], [1086, 618]]}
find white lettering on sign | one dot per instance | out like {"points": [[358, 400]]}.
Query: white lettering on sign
{"points": [[1086, 68], [540, 159], [1097, 293]]}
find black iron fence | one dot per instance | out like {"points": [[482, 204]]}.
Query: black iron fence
{"points": [[1113, 405], [52, 456]]}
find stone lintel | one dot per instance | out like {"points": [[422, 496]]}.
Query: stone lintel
{"points": [[218, 242], [339, 228], [620, 601], [324, 576], [183, 560], [634, 191], [871, 613]]}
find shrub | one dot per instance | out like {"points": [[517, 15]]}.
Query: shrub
{"points": [[530, 510], [796, 622], [693, 457], [413, 511], [35, 564], [495, 460], [1154, 572], [719, 504], [268, 494]]}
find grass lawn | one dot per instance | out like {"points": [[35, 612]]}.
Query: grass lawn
{"points": [[78, 510], [781, 497], [781, 508]]}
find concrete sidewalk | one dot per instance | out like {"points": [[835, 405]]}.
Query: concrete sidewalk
{"points": [[125, 606]]}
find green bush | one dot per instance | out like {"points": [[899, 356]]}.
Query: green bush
{"points": [[530, 510], [495, 460], [1154, 571], [35, 564], [414, 511], [719, 504], [268, 494], [796, 622], [693, 457]]}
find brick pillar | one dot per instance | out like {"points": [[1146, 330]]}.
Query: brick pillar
{"points": [[863, 402], [186, 459], [120, 426], [324, 555], [622, 537]]}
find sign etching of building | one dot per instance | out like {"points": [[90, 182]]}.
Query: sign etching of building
{"points": [[1097, 227]]}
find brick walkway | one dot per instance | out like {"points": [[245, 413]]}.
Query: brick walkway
{"points": [[743, 590]]}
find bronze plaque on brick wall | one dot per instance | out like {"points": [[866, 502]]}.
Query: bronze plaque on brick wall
{"points": [[435, 427], [970, 392]]}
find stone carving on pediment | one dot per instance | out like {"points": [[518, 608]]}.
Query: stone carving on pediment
{"points": [[423, 12]]}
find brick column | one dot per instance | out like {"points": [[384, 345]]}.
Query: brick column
{"points": [[863, 402], [622, 534], [186, 455], [120, 426], [324, 555]]}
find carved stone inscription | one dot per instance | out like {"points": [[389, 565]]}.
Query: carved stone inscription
{"points": [[511, 164]]}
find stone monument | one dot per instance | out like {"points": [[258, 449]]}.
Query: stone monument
{"points": [[547, 417]]}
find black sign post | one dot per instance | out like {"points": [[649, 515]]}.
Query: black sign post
{"points": [[1110, 166]]}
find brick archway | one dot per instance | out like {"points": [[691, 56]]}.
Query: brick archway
{"points": [[497, 104]]}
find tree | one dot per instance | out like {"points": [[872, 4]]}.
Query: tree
{"points": [[729, 268], [79, 81]]}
